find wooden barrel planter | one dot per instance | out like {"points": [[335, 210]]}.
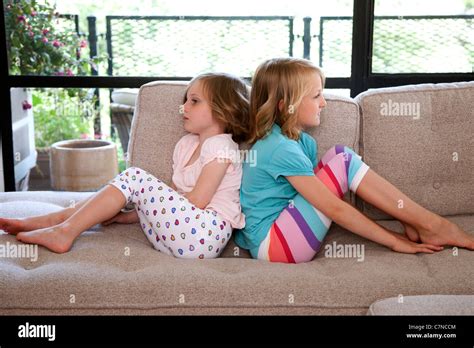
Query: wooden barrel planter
{"points": [[82, 165]]}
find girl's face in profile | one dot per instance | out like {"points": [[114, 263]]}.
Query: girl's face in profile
{"points": [[197, 111], [310, 108]]}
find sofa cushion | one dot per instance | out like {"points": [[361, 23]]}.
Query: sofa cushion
{"points": [[114, 270], [420, 138], [160, 126], [340, 122], [39, 202], [424, 305]]}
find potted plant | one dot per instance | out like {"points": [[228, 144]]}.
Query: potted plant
{"points": [[82, 165], [57, 117]]}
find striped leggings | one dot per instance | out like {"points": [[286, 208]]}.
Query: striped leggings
{"points": [[297, 234]]}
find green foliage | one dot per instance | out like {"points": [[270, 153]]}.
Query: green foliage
{"points": [[37, 44], [59, 116]]}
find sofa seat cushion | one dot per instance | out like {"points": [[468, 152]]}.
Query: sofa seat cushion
{"points": [[424, 305], [114, 269]]}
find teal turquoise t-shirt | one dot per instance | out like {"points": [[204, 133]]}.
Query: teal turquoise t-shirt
{"points": [[265, 191]]}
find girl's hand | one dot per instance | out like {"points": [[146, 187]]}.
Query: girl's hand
{"points": [[404, 245], [123, 218]]}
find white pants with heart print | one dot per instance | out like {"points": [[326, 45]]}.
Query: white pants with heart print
{"points": [[171, 223]]}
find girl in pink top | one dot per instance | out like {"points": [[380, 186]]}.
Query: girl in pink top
{"points": [[195, 215]]}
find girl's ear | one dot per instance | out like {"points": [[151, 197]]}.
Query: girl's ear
{"points": [[280, 105]]}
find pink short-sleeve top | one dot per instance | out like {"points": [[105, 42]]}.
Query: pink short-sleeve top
{"points": [[226, 200]]}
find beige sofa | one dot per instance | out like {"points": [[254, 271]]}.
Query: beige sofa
{"points": [[427, 153]]}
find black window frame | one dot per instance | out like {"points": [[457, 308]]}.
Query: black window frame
{"points": [[361, 78]]}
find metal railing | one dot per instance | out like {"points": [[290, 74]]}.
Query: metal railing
{"points": [[403, 44], [184, 46]]}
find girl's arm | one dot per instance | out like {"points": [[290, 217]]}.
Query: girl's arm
{"points": [[208, 182], [345, 215]]}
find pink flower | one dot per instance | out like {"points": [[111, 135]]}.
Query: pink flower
{"points": [[83, 44], [33, 13], [45, 40], [56, 43], [45, 31], [97, 136], [31, 34], [69, 72], [21, 18], [26, 105], [84, 136]]}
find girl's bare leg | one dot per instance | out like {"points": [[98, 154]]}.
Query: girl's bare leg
{"points": [[59, 238], [420, 224], [14, 226]]}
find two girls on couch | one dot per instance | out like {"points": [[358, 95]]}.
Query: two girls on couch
{"points": [[288, 199]]}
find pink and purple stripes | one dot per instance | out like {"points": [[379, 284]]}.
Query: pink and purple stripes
{"points": [[291, 239]]}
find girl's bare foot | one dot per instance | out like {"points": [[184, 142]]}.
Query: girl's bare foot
{"points": [[442, 232], [54, 238], [410, 232], [14, 226]]}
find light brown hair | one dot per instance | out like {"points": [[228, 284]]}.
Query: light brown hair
{"points": [[228, 97], [276, 80]]}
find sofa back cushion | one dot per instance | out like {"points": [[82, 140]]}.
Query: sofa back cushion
{"points": [[157, 126], [340, 122], [420, 138]]}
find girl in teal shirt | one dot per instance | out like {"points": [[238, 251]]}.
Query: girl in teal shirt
{"points": [[290, 200]]}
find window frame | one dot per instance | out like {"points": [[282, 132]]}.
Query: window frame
{"points": [[361, 78]]}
